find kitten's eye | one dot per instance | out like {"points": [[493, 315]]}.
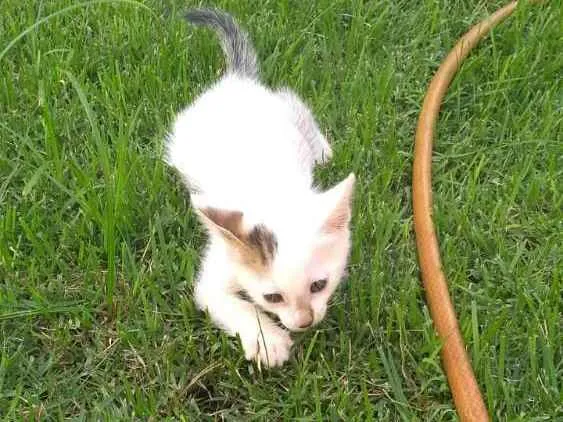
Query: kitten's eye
{"points": [[273, 298], [318, 285]]}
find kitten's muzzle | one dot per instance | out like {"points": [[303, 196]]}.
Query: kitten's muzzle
{"points": [[304, 318]]}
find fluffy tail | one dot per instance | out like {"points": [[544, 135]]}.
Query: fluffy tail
{"points": [[240, 54]]}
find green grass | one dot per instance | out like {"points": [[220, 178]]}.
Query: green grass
{"points": [[98, 246]]}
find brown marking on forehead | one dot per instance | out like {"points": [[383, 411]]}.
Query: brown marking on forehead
{"points": [[258, 249], [264, 242]]}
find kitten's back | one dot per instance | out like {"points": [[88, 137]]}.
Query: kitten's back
{"points": [[240, 142], [238, 139]]}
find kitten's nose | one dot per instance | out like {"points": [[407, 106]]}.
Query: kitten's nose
{"points": [[304, 318]]}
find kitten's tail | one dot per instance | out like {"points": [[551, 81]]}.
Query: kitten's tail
{"points": [[241, 57]]}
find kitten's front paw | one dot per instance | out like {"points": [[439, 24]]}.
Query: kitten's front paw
{"points": [[271, 346]]}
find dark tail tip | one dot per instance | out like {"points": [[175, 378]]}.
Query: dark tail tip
{"points": [[240, 54]]}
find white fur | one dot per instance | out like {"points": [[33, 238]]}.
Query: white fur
{"points": [[242, 147]]}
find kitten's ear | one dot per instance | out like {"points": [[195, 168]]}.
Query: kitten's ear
{"points": [[226, 222], [338, 203], [254, 248]]}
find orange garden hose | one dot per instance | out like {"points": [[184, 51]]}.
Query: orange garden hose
{"points": [[465, 390]]}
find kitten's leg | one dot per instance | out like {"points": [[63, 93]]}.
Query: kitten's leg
{"points": [[260, 337], [320, 148]]}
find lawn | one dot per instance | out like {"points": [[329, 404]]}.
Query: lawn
{"points": [[98, 245]]}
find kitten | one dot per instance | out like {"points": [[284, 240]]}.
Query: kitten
{"points": [[247, 154]]}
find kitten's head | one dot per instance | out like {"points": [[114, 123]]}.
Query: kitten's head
{"points": [[291, 266]]}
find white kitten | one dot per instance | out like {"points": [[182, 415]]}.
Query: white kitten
{"points": [[247, 154]]}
